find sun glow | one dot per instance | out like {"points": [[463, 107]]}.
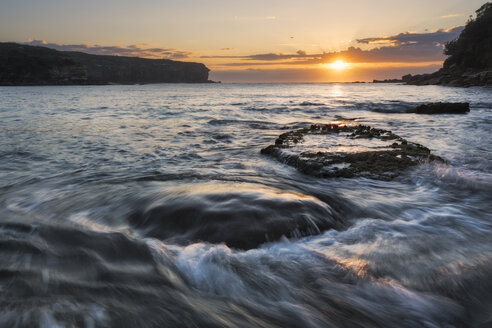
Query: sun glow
{"points": [[338, 65]]}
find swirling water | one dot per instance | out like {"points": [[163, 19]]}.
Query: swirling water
{"points": [[151, 206]]}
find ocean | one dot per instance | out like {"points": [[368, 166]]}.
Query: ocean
{"points": [[152, 206]]}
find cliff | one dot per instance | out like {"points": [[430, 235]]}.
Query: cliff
{"points": [[470, 56], [32, 65]]}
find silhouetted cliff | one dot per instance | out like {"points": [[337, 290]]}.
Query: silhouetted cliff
{"points": [[470, 56], [30, 65]]}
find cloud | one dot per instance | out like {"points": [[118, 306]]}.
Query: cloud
{"points": [[439, 36], [134, 50], [451, 16], [317, 74], [404, 47], [267, 57]]}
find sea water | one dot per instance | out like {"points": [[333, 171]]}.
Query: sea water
{"points": [[123, 206]]}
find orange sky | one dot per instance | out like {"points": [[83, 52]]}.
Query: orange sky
{"points": [[253, 41]]}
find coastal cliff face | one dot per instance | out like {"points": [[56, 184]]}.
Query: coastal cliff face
{"points": [[470, 56], [30, 65]]}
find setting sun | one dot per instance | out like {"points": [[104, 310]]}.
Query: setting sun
{"points": [[339, 65]]}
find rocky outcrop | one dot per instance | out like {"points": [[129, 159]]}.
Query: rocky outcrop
{"points": [[441, 108], [388, 81], [470, 56], [455, 77], [241, 219], [32, 65], [348, 151]]}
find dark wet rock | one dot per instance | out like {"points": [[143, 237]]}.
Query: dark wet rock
{"points": [[241, 220], [441, 108], [384, 161]]}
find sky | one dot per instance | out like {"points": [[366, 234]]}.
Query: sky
{"points": [[251, 41]]}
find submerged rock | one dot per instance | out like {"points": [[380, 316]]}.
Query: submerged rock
{"points": [[243, 218], [348, 151], [441, 108]]}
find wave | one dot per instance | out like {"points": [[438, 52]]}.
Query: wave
{"points": [[110, 279], [308, 103]]}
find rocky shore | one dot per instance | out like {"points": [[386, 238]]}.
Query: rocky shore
{"points": [[452, 77], [32, 65], [348, 151]]}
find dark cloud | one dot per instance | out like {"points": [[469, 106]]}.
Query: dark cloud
{"points": [[268, 56], [135, 50], [272, 56], [404, 47], [437, 37], [402, 53]]}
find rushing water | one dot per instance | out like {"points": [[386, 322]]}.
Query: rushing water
{"points": [[131, 206]]}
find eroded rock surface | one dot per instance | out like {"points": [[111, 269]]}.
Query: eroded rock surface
{"points": [[333, 150]]}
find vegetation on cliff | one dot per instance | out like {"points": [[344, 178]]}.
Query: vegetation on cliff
{"points": [[470, 55], [473, 48], [32, 65]]}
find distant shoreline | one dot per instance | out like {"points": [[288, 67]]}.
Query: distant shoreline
{"points": [[24, 65]]}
